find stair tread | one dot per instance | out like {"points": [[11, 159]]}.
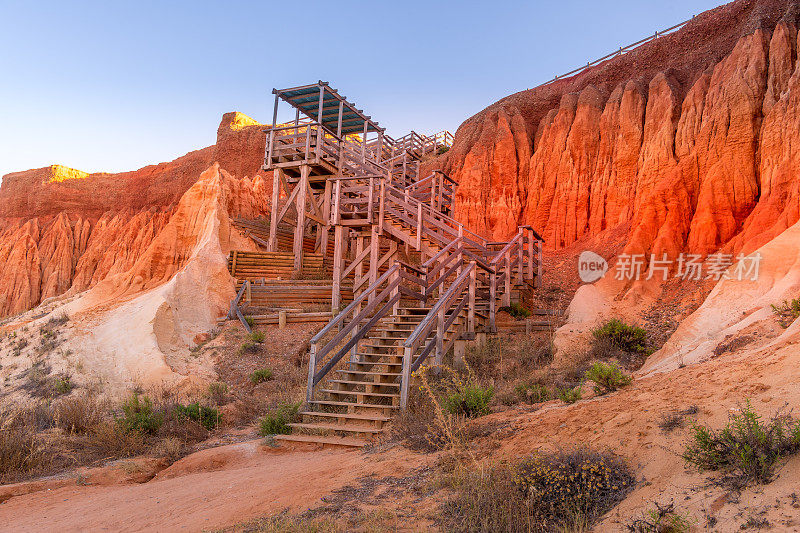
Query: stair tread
{"points": [[354, 382], [354, 416], [334, 427], [362, 393], [368, 373], [352, 404], [339, 441]]}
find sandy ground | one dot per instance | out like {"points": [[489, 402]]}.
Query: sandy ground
{"points": [[207, 490]]}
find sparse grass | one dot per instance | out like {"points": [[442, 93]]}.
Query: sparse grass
{"points": [[248, 347], [257, 336], [607, 377], [261, 375], [277, 421], [662, 519], [208, 417], [532, 392], [62, 385], [21, 452], [565, 491], [217, 392], [747, 449], [138, 416], [442, 150], [516, 310], [787, 311], [675, 419], [570, 395], [250, 321]]}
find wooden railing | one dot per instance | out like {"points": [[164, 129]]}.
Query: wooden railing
{"points": [[437, 190], [380, 299]]}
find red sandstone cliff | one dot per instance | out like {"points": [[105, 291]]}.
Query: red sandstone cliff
{"points": [[62, 230], [686, 143]]}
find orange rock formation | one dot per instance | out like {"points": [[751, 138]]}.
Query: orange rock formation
{"points": [[684, 143], [63, 230]]}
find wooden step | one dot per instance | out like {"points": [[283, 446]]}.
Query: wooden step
{"points": [[373, 383], [361, 393], [334, 403], [320, 439], [369, 373], [347, 416], [335, 427]]}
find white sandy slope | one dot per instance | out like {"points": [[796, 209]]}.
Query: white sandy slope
{"points": [[137, 327], [735, 305]]}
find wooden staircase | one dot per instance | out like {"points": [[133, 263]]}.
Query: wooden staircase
{"points": [[419, 281]]}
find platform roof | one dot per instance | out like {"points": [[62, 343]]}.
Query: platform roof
{"points": [[307, 99]]}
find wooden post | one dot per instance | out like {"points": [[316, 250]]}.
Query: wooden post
{"points": [[492, 300], [326, 216], [336, 293], [282, 319], [531, 255], [299, 231], [539, 264], [472, 287], [405, 379], [272, 244], [374, 255], [440, 336], [419, 226], [382, 206], [233, 263], [459, 350], [248, 293], [319, 121], [507, 292], [395, 292], [520, 257], [272, 132], [312, 369]]}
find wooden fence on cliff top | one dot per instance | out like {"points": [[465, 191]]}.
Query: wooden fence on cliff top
{"points": [[622, 50]]}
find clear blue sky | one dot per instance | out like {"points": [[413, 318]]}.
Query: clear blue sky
{"points": [[113, 85]]}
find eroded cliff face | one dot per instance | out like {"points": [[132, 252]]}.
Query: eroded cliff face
{"points": [[63, 231], [693, 151]]}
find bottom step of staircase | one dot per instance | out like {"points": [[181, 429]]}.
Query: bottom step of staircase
{"points": [[316, 439]]}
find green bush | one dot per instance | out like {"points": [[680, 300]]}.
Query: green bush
{"points": [[787, 311], [138, 416], [570, 395], [565, 491], [260, 376], [257, 336], [516, 310], [470, 400], [208, 417], [532, 392], [746, 449], [250, 321], [621, 335], [607, 377], [442, 150], [277, 421]]}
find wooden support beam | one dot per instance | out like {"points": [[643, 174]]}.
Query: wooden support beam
{"points": [[338, 259], [299, 230], [272, 243], [374, 251]]}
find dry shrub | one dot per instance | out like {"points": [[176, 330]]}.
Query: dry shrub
{"points": [[484, 359], [109, 440], [78, 413], [21, 453], [568, 490]]}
